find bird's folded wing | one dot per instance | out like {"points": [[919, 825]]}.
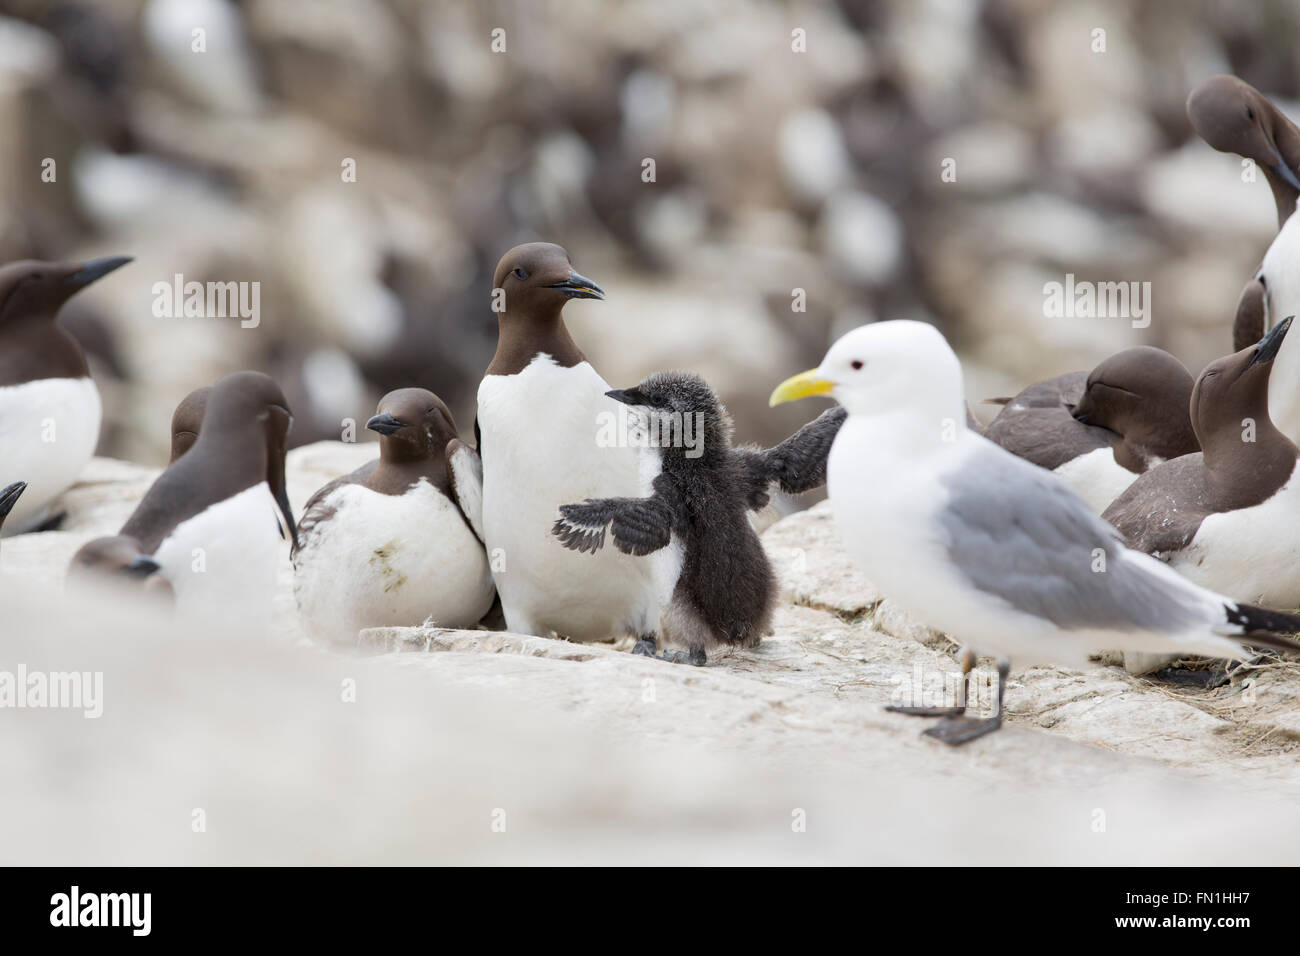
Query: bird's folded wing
{"points": [[640, 525], [1018, 533], [797, 464], [467, 482]]}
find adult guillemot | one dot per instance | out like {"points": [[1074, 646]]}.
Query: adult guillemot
{"points": [[50, 409], [1099, 430], [396, 541]]}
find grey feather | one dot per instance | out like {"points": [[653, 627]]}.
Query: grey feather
{"points": [[1017, 532]]}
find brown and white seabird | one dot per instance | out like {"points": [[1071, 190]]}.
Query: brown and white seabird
{"points": [[1228, 517], [50, 409], [217, 522], [549, 435], [396, 542], [1099, 430]]}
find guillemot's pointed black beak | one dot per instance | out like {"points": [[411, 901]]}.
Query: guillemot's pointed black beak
{"points": [[9, 497], [1284, 172], [628, 396], [93, 269], [385, 424], [579, 287], [1268, 346], [142, 567]]}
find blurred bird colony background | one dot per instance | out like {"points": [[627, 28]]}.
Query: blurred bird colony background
{"points": [[746, 179]]}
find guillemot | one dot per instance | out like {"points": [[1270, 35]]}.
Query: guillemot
{"points": [[1099, 430], [217, 522], [396, 542], [50, 409], [541, 411]]}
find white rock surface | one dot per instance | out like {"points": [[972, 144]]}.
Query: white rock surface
{"points": [[412, 749]]}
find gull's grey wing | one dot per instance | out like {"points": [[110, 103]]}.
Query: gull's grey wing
{"points": [[797, 464], [1019, 533], [640, 525]]}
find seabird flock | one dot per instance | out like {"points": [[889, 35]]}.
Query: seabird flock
{"points": [[1129, 508]]}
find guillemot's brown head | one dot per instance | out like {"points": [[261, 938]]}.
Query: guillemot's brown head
{"points": [[1234, 117], [243, 440], [117, 560], [535, 280], [37, 290], [239, 403], [187, 420], [32, 346], [111, 555], [1142, 394], [1229, 410], [415, 425]]}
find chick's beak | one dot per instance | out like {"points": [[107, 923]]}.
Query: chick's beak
{"points": [[802, 385]]}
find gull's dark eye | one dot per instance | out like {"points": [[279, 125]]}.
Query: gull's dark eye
{"points": [[521, 274], [1250, 113], [857, 365]]}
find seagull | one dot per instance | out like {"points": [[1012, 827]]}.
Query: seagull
{"points": [[985, 546]]}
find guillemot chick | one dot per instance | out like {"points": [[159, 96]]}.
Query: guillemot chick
{"points": [[969, 539], [1099, 430], [50, 409], [724, 588], [396, 542]]}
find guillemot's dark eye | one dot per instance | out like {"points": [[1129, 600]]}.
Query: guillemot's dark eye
{"points": [[1250, 113], [521, 274], [857, 365]]}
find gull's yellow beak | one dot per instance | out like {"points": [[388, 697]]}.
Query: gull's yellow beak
{"points": [[800, 386]]}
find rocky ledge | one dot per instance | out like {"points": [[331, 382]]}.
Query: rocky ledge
{"points": [[603, 756]]}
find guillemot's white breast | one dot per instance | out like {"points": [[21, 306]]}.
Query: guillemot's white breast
{"points": [[541, 443], [48, 431]]}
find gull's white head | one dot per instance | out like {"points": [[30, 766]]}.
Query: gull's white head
{"points": [[885, 367]]}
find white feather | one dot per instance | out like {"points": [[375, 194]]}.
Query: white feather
{"points": [[1096, 477], [540, 450], [222, 563], [48, 432], [384, 560], [467, 473]]}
